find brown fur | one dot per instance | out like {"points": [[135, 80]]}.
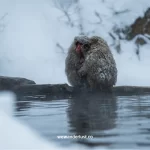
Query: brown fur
{"points": [[98, 70]]}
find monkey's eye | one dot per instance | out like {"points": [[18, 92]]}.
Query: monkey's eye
{"points": [[75, 39], [86, 46], [77, 43]]}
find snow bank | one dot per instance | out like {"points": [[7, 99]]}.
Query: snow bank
{"points": [[38, 33], [15, 135]]}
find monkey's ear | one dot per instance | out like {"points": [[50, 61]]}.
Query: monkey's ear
{"points": [[93, 39], [75, 39], [87, 46]]}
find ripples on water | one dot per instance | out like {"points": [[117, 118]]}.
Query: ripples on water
{"points": [[113, 121]]}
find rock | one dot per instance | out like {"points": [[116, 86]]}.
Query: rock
{"points": [[128, 90], [63, 91], [54, 91], [9, 83], [139, 30], [141, 26], [28, 88]]}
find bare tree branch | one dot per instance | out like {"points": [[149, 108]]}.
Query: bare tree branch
{"points": [[116, 43], [80, 25], [113, 37], [3, 16], [65, 10], [121, 12], [2, 24], [61, 48], [68, 17], [98, 16]]}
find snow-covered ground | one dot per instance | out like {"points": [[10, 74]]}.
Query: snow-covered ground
{"points": [[33, 29]]}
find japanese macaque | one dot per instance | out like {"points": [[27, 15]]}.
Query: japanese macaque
{"points": [[90, 63]]}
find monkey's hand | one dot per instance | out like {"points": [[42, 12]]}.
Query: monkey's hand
{"points": [[82, 72], [78, 66]]}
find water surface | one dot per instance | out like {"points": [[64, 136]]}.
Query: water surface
{"points": [[112, 121]]}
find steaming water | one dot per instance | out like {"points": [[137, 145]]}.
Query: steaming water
{"points": [[113, 121]]}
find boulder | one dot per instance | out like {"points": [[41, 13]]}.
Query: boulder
{"points": [[141, 26], [63, 91], [54, 91], [25, 88], [9, 83]]}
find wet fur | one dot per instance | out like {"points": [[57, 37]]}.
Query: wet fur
{"points": [[98, 69], [73, 64]]}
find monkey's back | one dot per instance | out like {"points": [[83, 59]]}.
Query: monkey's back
{"points": [[101, 66]]}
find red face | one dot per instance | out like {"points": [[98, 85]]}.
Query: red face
{"points": [[78, 48]]}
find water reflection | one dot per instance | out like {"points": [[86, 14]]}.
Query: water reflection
{"points": [[92, 112], [25, 102], [113, 121]]}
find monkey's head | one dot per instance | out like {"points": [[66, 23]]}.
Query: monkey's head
{"points": [[82, 45]]}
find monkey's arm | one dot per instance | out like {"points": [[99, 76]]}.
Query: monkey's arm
{"points": [[83, 70], [71, 61]]}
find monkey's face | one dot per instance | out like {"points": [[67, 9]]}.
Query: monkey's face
{"points": [[82, 45]]}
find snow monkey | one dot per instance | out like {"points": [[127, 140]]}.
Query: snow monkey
{"points": [[90, 63]]}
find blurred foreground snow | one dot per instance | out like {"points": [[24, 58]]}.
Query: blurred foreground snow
{"points": [[15, 135]]}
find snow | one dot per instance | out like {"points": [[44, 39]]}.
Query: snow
{"points": [[131, 71], [34, 28], [15, 135]]}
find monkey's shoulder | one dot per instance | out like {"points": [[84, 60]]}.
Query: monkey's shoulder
{"points": [[98, 41]]}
